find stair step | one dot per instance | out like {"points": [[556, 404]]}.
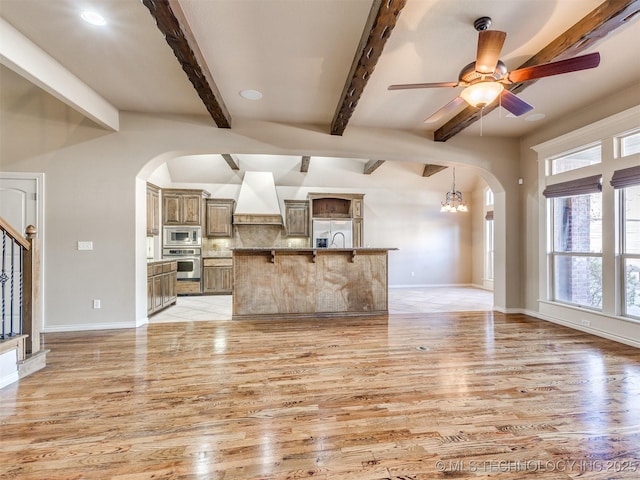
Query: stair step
{"points": [[32, 363]]}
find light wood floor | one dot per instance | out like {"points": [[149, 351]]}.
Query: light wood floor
{"points": [[403, 397]]}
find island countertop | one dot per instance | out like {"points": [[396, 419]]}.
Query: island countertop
{"points": [[308, 249], [321, 282], [278, 251]]}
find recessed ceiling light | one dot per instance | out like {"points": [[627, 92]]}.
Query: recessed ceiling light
{"points": [[534, 117], [251, 94], [92, 17]]}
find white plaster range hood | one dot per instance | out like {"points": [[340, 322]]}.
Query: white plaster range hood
{"points": [[258, 201]]}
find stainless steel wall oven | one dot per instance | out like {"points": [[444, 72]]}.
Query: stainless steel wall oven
{"points": [[189, 262]]}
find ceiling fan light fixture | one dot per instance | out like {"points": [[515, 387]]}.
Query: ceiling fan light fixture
{"points": [[481, 94]]}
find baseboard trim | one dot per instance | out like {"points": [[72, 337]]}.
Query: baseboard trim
{"points": [[142, 321], [88, 326], [592, 331], [507, 311], [481, 287], [432, 285]]}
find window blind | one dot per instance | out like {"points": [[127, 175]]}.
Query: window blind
{"points": [[581, 186], [627, 177]]}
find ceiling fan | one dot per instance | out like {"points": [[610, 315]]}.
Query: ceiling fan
{"points": [[485, 79]]}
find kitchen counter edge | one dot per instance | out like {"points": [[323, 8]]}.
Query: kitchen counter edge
{"points": [[306, 250]]}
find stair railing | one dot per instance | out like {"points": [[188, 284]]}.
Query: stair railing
{"points": [[19, 285]]}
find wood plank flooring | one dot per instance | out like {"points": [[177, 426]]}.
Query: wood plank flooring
{"points": [[458, 395]]}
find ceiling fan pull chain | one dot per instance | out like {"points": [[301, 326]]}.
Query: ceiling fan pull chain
{"points": [[481, 110]]}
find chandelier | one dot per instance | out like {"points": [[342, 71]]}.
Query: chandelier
{"points": [[453, 200]]}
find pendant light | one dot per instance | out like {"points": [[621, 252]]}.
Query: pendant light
{"points": [[453, 201]]}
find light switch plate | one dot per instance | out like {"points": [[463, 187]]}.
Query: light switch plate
{"points": [[85, 245]]}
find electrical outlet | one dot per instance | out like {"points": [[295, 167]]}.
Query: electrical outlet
{"points": [[96, 304], [413, 274], [585, 323], [85, 245]]}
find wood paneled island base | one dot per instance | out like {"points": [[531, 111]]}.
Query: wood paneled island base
{"points": [[288, 282]]}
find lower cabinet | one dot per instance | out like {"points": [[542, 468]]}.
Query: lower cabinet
{"points": [[217, 276], [161, 285]]}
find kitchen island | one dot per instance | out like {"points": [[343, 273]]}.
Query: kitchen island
{"points": [[300, 282]]}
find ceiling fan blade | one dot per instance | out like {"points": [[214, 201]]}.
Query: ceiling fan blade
{"points": [[446, 110], [574, 64], [514, 104], [490, 44], [407, 86]]}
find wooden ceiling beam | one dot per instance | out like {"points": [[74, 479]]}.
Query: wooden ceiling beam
{"points": [[382, 18], [600, 22], [233, 164], [304, 164], [371, 166], [171, 22], [430, 169]]}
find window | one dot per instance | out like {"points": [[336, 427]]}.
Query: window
{"points": [[581, 158], [589, 234], [488, 197], [488, 235], [576, 253], [630, 236], [488, 242], [630, 144]]}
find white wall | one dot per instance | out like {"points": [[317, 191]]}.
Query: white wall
{"points": [[477, 235]]}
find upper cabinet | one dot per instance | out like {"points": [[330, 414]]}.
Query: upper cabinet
{"points": [[153, 209], [357, 207], [339, 206], [219, 218], [297, 218], [183, 206], [336, 205]]}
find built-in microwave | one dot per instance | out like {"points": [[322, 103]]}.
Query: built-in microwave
{"points": [[182, 236]]}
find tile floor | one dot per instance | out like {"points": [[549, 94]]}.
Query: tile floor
{"points": [[401, 300]]}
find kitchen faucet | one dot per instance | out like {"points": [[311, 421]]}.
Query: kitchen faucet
{"points": [[333, 239]]}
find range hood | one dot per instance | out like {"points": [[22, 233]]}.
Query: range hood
{"points": [[258, 201]]}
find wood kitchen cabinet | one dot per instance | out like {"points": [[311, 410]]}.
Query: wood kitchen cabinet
{"points": [[153, 209], [183, 206], [297, 218], [356, 206], [357, 233], [340, 206], [162, 277], [219, 218], [217, 276]]}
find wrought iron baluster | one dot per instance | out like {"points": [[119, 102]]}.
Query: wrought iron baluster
{"points": [[12, 330], [20, 293], [3, 280]]}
